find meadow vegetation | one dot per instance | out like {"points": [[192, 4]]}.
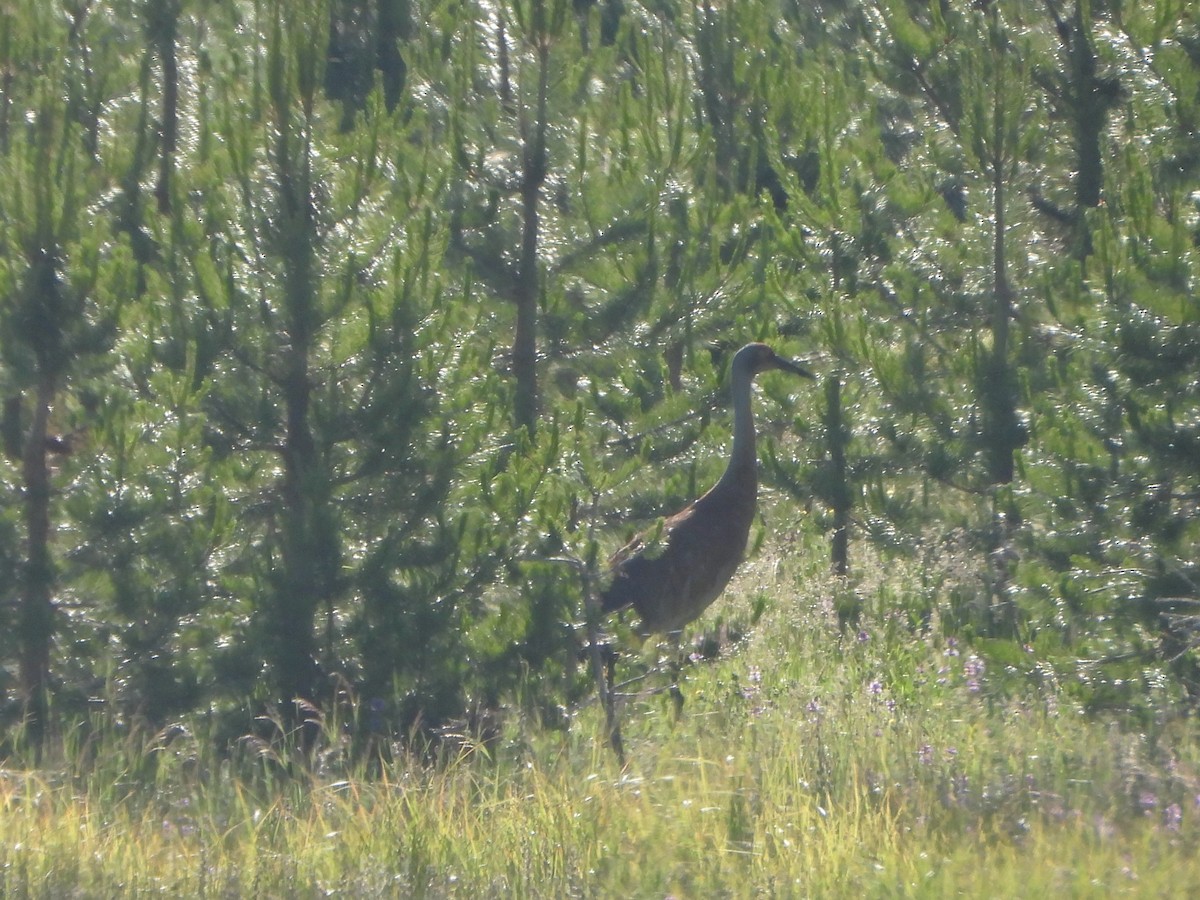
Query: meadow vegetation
{"points": [[338, 338], [813, 758]]}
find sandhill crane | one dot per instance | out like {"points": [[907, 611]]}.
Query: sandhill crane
{"points": [[670, 575]]}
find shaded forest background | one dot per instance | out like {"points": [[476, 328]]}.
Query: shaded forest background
{"points": [[328, 325]]}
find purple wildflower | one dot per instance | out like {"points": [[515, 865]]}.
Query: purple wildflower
{"points": [[1173, 817]]}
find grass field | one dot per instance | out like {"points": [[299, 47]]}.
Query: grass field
{"points": [[880, 761]]}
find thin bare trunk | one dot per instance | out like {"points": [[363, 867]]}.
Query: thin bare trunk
{"points": [[166, 27], [36, 618], [1002, 431], [307, 541], [528, 288], [297, 603], [839, 485]]}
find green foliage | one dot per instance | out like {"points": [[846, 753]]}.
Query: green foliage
{"points": [[298, 341]]}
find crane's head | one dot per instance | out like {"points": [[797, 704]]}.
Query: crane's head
{"points": [[755, 358]]}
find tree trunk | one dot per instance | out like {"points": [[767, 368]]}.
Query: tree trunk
{"points": [[1090, 112], [164, 27], [528, 287], [301, 587], [308, 537], [1002, 432], [997, 389], [36, 614], [395, 22], [840, 497], [715, 76]]}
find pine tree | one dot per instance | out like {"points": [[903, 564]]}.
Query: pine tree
{"points": [[60, 296]]}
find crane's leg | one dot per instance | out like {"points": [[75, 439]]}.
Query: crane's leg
{"points": [[676, 697], [675, 669], [603, 661]]}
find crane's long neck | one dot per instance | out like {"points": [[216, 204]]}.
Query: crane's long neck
{"points": [[743, 461]]}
